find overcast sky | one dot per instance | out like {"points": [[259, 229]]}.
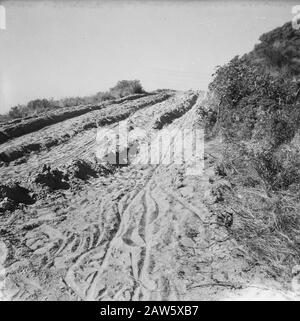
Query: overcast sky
{"points": [[58, 49]]}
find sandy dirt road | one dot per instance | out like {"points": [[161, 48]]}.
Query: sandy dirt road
{"points": [[139, 232]]}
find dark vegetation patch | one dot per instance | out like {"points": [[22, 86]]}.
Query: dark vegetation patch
{"points": [[40, 106], [253, 103]]}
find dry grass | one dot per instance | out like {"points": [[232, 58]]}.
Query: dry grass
{"points": [[265, 222]]}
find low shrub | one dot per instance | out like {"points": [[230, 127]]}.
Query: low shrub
{"points": [[257, 113]]}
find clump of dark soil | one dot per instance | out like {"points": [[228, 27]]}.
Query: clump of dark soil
{"points": [[54, 179], [83, 169], [63, 178], [12, 194]]}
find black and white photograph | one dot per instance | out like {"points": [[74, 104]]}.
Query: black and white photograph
{"points": [[150, 152]]}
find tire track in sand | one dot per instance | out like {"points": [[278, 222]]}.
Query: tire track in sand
{"points": [[136, 261], [129, 270]]}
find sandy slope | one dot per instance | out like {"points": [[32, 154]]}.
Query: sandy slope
{"points": [[142, 232]]}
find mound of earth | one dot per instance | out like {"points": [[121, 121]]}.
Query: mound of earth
{"points": [[84, 169], [12, 194], [54, 179]]}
